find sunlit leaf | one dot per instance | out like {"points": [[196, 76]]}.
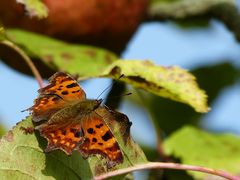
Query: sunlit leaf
{"points": [[88, 62], [75, 59], [169, 115], [22, 157], [170, 82], [200, 148]]}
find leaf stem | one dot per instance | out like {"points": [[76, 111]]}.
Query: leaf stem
{"points": [[27, 60], [160, 165]]}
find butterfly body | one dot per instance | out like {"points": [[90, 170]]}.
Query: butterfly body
{"points": [[71, 122], [76, 110]]}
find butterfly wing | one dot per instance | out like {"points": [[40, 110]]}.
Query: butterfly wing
{"points": [[98, 139], [45, 106], [62, 89], [66, 135], [88, 133], [64, 86], [112, 118]]}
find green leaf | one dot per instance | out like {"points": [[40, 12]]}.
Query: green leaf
{"points": [[2, 33], [169, 82], [197, 12], [169, 115], [22, 157], [2, 130], [197, 147], [75, 59], [1, 30], [35, 8], [183, 8]]}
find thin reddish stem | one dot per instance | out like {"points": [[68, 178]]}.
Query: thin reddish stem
{"points": [[28, 61], [159, 165]]}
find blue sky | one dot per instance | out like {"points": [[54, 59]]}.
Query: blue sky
{"points": [[165, 44]]}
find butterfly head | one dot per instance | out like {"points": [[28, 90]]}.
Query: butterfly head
{"points": [[94, 104], [97, 103], [88, 105]]}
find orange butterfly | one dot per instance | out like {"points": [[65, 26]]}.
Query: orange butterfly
{"points": [[70, 122]]}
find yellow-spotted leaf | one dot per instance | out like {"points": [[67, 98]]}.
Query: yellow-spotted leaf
{"points": [[170, 82]]}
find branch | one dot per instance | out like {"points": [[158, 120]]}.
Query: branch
{"points": [[27, 60], [159, 165]]}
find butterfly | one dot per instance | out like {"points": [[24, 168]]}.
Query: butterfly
{"points": [[71, 122]]}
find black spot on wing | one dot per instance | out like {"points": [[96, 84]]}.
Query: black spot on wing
{"points": [[66, 79], [91, 131], [72, 85], [64, 93], [75, 91], [107, 136], [114, 147], [64, 132], [77, 134], [99, 125]]}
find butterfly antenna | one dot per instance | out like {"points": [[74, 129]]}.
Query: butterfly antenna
{"points": [[113, 97], [110, 86]]}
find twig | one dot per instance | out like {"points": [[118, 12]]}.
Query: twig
{"points": [[159, 165], [27, 60]]}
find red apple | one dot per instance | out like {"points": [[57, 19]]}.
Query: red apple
{"points": [[107, 23]]}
